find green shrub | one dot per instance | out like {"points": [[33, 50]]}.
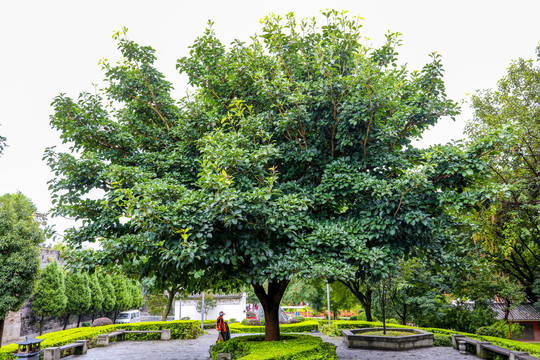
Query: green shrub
{"points": [[245, 322], [290, 347], [85, 324], [354, 317], [305, 326], [233, 320], [488, 331], [262, 321], [392, 321], [442, 340], [300, 318], [186, 318], [330, 330], [502, 327]]}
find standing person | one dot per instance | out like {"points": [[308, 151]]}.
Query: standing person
{"points": [[223, 328]]}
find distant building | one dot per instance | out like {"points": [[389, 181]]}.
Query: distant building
{"points": [[526, 315], [233, 305]]}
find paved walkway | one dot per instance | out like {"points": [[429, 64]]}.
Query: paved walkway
{"points": [[198, 349]]}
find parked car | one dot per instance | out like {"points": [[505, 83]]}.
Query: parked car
{"points": [[130, 316]]}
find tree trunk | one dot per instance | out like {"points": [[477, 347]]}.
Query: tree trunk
{"points": [[79, 320], [2, 331], [270, 302], [363, 297], [367, 305], [170, 300], [41, 325], [66, 322], [383, 317]]}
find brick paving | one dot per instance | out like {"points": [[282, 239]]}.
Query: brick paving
{"points": [[198, 349]]}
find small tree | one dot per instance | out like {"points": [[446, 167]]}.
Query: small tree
{"points": [[107, 290], [20, 237], [78, 295], [96, 304], [209, 304], [123, 296], [135, 294], [50, 298], [385, 287]]}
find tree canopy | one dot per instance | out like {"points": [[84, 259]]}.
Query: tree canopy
{"points": [[510, 229], [20, 237], [294, 155]]}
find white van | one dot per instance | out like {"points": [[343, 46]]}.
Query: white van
{"points": [[130, 316]]}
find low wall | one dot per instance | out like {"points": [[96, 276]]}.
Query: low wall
{"points": [[417, 339]]}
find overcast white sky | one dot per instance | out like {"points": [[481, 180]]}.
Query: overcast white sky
{"points": [[48, 47]]}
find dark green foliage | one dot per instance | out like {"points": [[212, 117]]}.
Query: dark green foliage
{"points": [[50, 296], [96, 294], [135, 292], [107, 290], [86, 324], [291, 347], [20, 237], [77, 293], [156, 303], [442, 340], [509, 229], [298, 144], [123, 296], [245, 322]]}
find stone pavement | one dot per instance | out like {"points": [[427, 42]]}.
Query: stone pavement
{"points": [[198, 349]]}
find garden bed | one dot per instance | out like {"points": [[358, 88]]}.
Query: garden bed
{"points": [[358, 338], [253, 347]]}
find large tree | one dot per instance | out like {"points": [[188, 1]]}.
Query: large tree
{"points": [[510, 228], [293, 156], [20, 237]]}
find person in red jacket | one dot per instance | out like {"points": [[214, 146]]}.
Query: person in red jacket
{"points": [[223, 327]]}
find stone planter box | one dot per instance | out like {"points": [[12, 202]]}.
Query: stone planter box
{"points": [[417, 339]]}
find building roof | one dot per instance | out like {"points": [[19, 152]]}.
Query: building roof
{"points": [[523, 312]]}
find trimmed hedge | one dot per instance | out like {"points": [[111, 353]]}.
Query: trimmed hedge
{"points": [[304, 326], [290, 347], [179, 330]]}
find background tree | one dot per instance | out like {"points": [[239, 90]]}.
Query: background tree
{"points": [[510, 228], [298, 144], [209, 304], [96, 295], [2, 144], [135, 293], [49, 298], [20, 237], [78, 296], [123, 296], [107, 290]]}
